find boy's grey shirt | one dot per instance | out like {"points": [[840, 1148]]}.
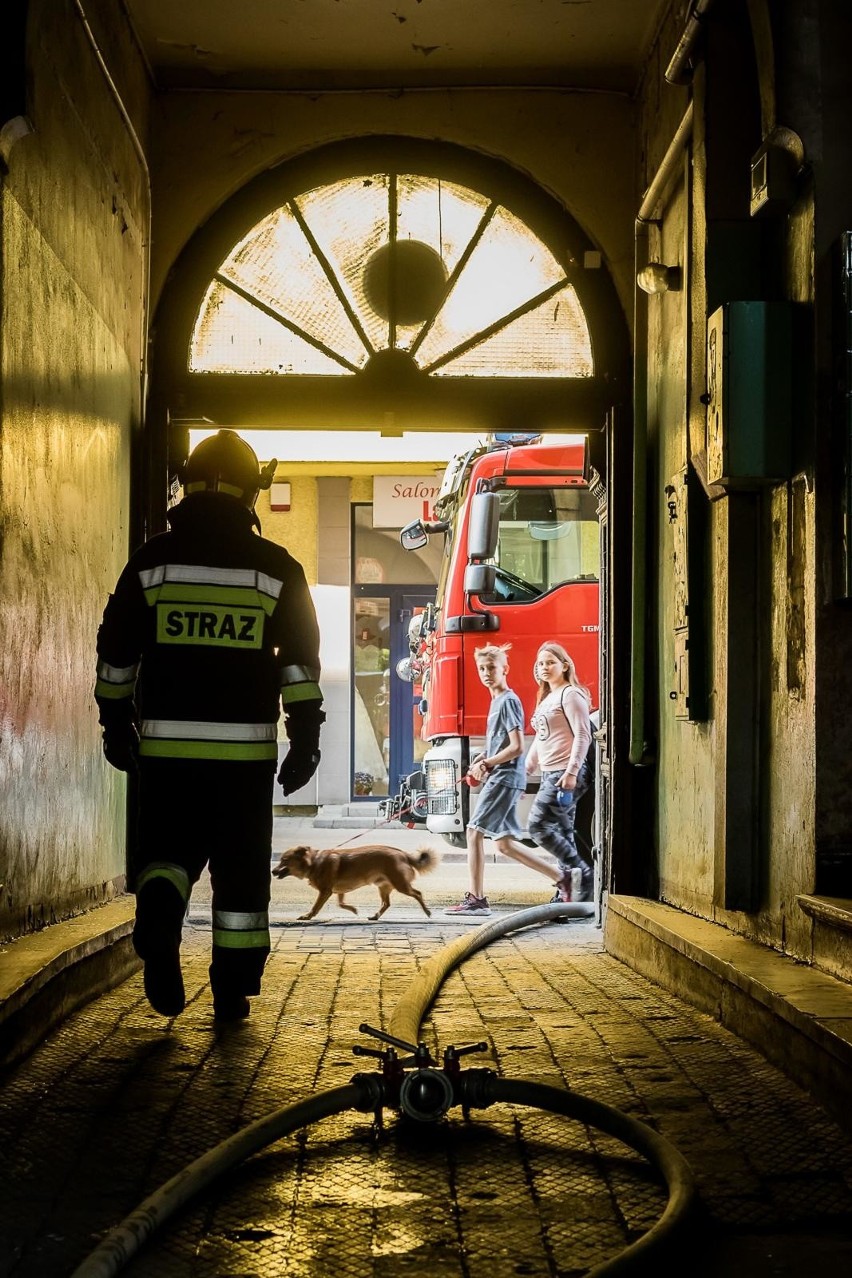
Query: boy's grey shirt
{"points": [[506, 712]]}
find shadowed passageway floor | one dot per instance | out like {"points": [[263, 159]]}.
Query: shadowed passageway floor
{"points": [[117, 1100]]}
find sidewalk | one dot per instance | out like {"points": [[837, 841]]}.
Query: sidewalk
{"points": [[508, 884], [798, 1016]]}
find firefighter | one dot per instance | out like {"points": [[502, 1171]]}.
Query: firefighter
{"points": [[210, 630]]}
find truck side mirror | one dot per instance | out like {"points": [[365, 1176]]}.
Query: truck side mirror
{"points": [[480, 579], [484, 526], [413, 535], [418, 532], [408, 670]]}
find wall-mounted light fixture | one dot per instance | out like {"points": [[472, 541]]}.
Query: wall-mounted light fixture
{"points": [[279, 496], [775, 168], [656, 277]]}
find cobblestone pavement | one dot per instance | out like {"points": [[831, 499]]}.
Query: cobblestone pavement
{"points": [[117, 1100]]}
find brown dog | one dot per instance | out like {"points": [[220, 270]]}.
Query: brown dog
{"points": [[335, 871]]}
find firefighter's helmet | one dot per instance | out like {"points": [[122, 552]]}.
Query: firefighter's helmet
{"points": [[225, 463]]}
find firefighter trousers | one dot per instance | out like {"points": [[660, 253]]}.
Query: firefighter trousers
{"points": [[194, 813]]}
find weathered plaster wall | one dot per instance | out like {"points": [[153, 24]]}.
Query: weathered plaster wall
{"points": [[829, 149], [579, 147], [71, 281], [688, 775]]}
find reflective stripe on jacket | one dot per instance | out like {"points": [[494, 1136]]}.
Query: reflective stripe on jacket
{"points": [[209, 629]]}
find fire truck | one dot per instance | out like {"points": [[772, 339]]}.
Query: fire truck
{"points": [[521, 565]]}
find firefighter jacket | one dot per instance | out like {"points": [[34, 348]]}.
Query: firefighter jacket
{"points": [[210, 629]]}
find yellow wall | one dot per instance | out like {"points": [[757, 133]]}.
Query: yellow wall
{"points": [[73, 227], [296, 529]]}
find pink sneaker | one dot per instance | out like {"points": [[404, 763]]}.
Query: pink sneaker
{"points": [[575, 885], [470, 905]]}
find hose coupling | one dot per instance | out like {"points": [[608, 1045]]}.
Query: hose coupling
{"points": [[415, 1085]]}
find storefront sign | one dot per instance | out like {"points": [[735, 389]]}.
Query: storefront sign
{"points": [[397, 499]]}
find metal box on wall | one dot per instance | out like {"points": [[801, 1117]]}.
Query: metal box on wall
{"points": [[749, 392], [685, 508]]}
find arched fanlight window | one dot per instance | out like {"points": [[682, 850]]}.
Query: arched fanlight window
{"points": [[392, 262]]}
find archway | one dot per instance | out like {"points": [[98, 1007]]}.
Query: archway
{"points": [[388, 283], [481, 208]]}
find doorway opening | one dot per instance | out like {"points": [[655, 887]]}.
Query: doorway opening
{"points": [[391, 284]]}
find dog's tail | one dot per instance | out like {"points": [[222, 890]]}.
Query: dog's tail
{"points": [[424, 859]]}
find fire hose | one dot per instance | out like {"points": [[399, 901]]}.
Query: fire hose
{"points": [[417, 1088]]}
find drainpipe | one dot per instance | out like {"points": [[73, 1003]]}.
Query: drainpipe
{"points": [[680, 69], [639, 750], [147, 212]]}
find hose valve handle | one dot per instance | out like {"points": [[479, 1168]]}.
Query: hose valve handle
{"points": [[364, 1028], [420, 1054], [453, 1053], [358, 1050]]}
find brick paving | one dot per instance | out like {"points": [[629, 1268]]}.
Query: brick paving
{"points": [[117, 1100]]}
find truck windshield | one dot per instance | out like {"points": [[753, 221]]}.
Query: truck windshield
{"points": [[547, 536]]}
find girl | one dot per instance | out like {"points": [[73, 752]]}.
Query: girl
{"points": [[563, 735], [502, 770]]}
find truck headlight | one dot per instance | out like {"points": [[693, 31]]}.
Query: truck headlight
{"points": [[441, 786]]}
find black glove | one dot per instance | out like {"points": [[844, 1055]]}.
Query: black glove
{"points": [[121, 746], [298, 767], [303, 720]]}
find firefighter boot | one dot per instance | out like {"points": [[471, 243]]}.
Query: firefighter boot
{"points": [[156, 939], [230, 1001], [230, 1007]]}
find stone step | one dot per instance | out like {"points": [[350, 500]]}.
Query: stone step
{"points": [[831, 940]]}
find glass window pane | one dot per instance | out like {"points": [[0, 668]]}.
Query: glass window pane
{"points": [[232, 336], [440, 214], [546, 536], [381, 560], [371, 664], [550, 341], [350, 220], [276, 263], [508, 267]]}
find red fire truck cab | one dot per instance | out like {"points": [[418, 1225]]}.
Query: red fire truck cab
{"points": [[521, 565]]}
